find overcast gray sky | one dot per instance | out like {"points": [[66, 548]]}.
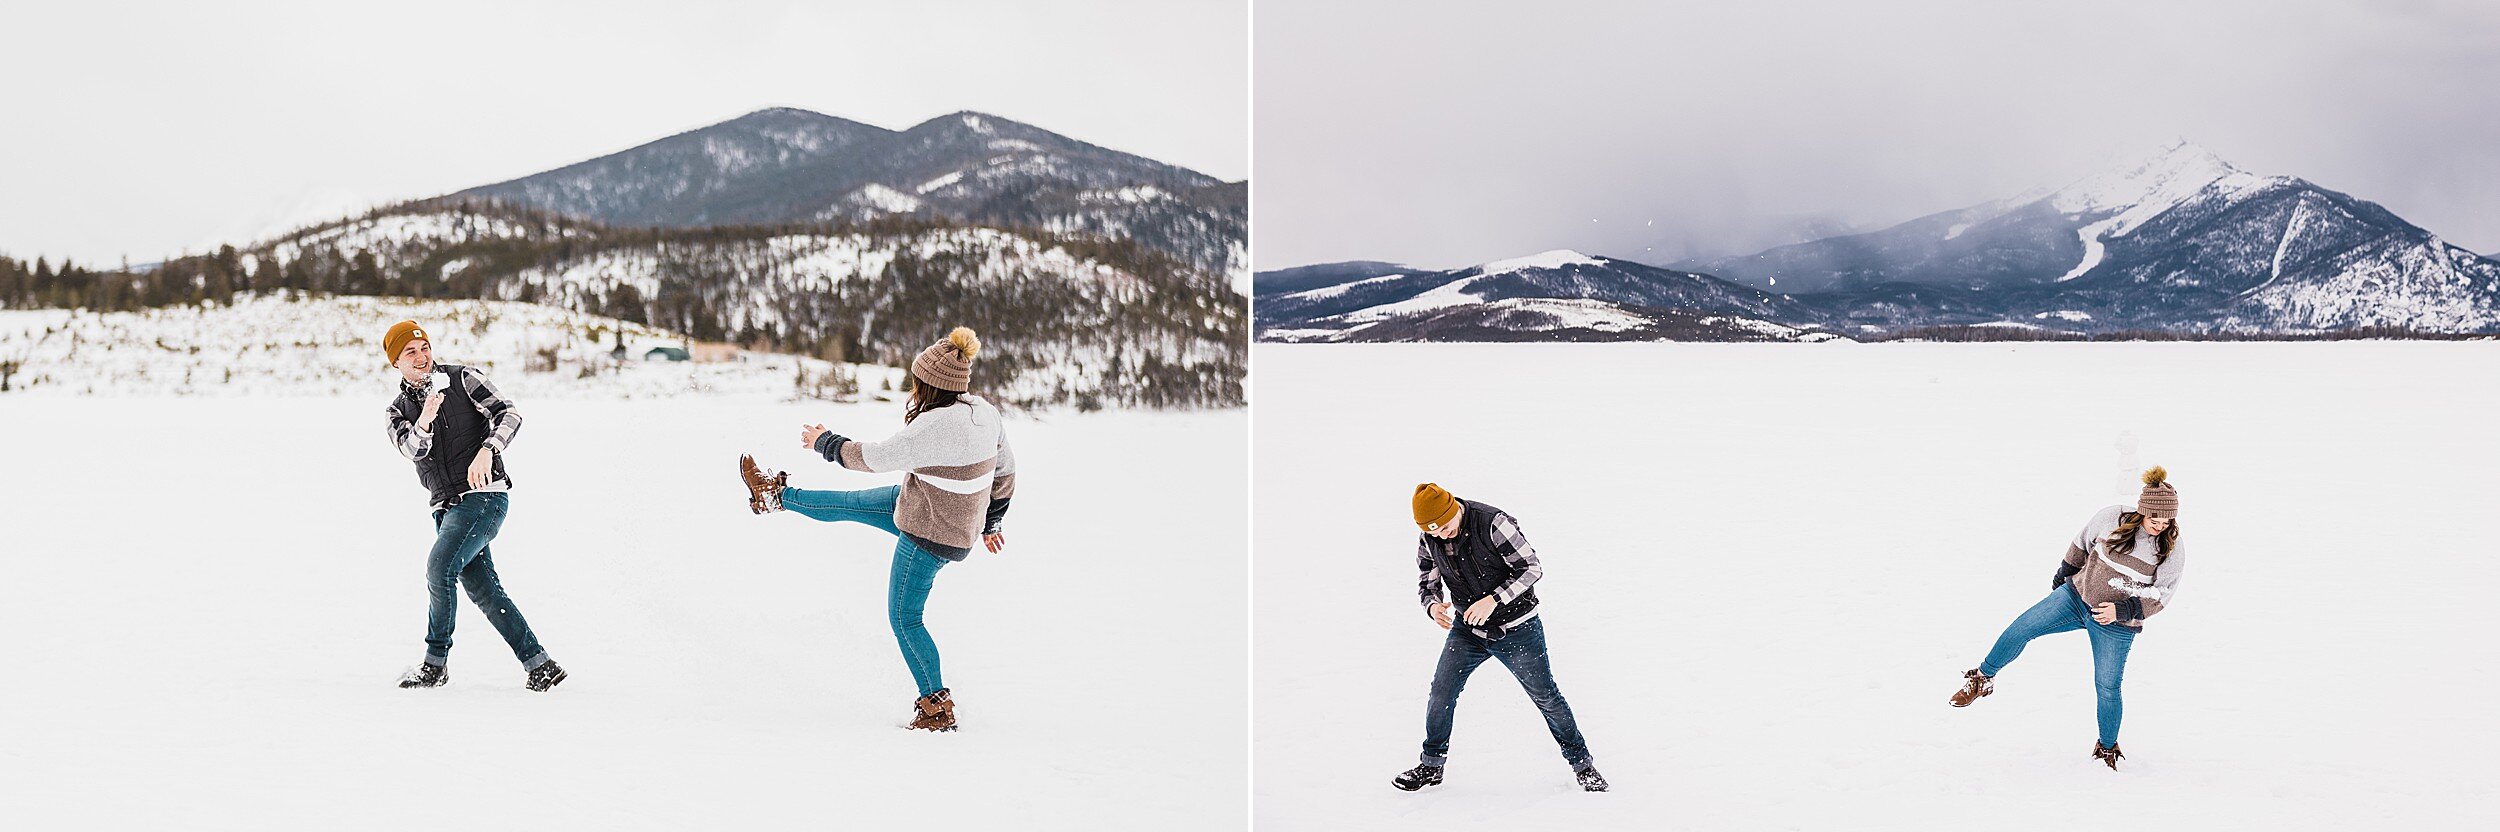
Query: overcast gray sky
{"points": [[1445, 134], [148, 128]]}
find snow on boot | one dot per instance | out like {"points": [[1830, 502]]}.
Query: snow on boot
{"points": [[2106, 753], [1590, 780], [934, 712], [425, 676], [1418, 777], [763, 486], [1974, 685], [545, 676]]}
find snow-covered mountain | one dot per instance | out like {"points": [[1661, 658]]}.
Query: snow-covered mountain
{"points": [[1304, 278], [2032, 238], [2182, 241], [1554, 295], [786, 165]]}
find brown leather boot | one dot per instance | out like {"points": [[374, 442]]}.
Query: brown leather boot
{"points": [[763, 487], [1974, 685], [934, 712], [2106, 753]]}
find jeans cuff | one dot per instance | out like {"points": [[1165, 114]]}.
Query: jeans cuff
{"points": [[437, 661], [1430, 760], [533, 662]]}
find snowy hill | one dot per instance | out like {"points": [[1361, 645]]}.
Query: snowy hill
{"points": [[1562, 319], [332, 346], [1554, 295], [786, 165], [1072, 319]]}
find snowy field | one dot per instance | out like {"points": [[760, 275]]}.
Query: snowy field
{"points": [[1767, 568], [209, 600]]}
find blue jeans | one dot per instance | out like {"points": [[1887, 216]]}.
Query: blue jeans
{"points": [[1523, 651], [2063, 610], [461, 533], [907, 583]]}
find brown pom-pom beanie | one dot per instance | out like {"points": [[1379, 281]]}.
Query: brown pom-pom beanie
{"points": [[1434, 507], [947, 364], [399, 335], [2159, 499]]}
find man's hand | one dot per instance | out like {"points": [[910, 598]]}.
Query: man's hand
{"points": [[995, 541], [482, 469], [2105, 612], [1480, 610], [1441, 615], [425, 418], [808, 435]]}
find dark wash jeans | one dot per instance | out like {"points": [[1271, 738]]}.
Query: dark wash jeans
{"points": [[2061, 611], [1522, 651], [461, 533]]}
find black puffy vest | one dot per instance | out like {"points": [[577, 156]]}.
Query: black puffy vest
{"points": [[1471, 569], [458, 431]]}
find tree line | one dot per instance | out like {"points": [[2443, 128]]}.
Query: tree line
{"points": [[1969, 333], [1164, 334]]}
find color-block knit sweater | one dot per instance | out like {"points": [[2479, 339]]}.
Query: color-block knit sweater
{"points": [[961, 473], [2139, 582]]}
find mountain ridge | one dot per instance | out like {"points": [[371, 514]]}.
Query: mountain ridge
{"points": [[785, 164], [2179, 242], [1625, 296]]}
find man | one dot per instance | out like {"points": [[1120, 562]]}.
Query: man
{"points": [[449, 420], [1475, 553]]}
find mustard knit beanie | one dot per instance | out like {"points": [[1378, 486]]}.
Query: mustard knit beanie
{"points": [[1434, 507], [399, 335]]}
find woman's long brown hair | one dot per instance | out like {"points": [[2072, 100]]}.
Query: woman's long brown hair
{"points": [[2122, 541], [925, 398]]}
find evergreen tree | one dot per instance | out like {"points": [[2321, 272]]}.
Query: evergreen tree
{"points": [[225, 270]]}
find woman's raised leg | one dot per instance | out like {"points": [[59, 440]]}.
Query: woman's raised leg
{"points": [[2054, 614], [874, 506]]}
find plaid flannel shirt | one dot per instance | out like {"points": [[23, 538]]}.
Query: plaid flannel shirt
{"points": [[1507, 541]]}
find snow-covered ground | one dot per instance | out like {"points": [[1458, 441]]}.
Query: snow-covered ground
{"points": [[1766, 568], [209, 599]]}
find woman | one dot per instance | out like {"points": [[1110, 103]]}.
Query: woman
{"points": [[959, 477], [2119, 571]]}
